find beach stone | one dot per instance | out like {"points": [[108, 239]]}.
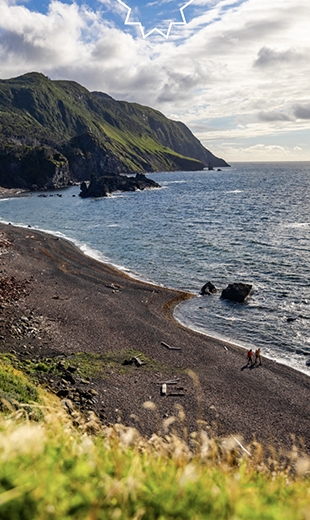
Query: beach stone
{"points": [[208, 288], [68, 405], [68, 377], [63, 392], [237, 292]]}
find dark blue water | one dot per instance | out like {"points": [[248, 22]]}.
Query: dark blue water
{"points": [[248, 223]]}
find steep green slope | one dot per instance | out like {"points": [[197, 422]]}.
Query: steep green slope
{"points": [[56, 132]]}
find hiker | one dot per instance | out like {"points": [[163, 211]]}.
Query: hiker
{"points": [[258, 356], [250, 357]]}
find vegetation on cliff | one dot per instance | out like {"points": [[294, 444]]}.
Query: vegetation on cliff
{"points": [[53, 133]]}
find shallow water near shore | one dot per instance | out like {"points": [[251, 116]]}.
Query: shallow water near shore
{"points": [[248, 223]]}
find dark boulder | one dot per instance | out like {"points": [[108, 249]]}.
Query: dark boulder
{"points": [[208, 288], [103, 186], [237, 292], [83, 187]]}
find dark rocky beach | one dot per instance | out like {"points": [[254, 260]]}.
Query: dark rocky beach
{"points": [[100, 340]]}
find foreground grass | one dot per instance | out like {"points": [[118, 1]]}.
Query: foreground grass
{"points": [[50, 469]]}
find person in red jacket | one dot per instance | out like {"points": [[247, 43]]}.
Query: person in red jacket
{"points": [[250, 357]]}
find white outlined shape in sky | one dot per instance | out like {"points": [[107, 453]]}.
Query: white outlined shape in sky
{"points": [[155, 29]]}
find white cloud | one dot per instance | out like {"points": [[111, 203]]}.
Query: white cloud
{"points": [[261, 152], [242, 74]]}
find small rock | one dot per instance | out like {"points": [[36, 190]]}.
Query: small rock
{"points": [[208, 288], [68, 404], [62, 393]]}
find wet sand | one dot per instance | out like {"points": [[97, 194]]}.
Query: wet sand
{"points": [[89, 307]]}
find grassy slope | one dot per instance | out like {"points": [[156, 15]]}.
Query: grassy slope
{"points": [[52, 470], [37, 107]]}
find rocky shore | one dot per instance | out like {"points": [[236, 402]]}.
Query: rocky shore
{"points": [[108, 344]]}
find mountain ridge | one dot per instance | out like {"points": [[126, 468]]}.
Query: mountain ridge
{"points": [[55, 132]]}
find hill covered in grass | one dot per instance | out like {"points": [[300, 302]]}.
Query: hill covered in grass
{"points": [[54, 133]]}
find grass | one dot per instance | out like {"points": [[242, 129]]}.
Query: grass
{"points": [[15, 390], [90, 365], [51, 470]]}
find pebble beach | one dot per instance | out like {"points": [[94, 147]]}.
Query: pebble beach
{"points": [[79, 305]]}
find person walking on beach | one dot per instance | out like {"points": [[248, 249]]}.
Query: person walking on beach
{"points": [[258, 357], [250, 357]]}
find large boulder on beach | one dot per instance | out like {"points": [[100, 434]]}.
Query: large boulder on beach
{"points": [[208, 288], [237, 292]]}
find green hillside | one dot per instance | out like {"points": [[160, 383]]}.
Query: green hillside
{"points": [[53, 133]]}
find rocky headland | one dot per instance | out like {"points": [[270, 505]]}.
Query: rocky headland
{"points": [[57, 133]]}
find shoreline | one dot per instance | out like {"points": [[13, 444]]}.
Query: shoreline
{"points": [[281, 340], [96, 255], [92, 307], [11, 192], [243, 347]]}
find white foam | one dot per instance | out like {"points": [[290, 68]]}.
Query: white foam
{"points": [[295, 225]]}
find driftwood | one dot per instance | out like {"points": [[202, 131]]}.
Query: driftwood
{"points": [[136, 360], [168, 346], [177, 391]]}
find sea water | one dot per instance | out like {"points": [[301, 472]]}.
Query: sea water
{"points": [[248, 223]]}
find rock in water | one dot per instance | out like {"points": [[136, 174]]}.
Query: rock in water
{"points": [[237, 292], [103, 186], [208, 288]]}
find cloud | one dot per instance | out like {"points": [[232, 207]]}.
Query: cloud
{"points": [[260, 152], [302, 111], [273, 115], [34, 38], [270, 57], [178, 86], [237, 70]]}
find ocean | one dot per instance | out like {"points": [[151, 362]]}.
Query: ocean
{"points": [[248, 223]]}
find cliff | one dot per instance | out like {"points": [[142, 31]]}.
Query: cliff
{"points": [[55, 133]]}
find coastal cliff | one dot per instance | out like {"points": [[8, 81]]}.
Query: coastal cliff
{"points": [[55, 133]]}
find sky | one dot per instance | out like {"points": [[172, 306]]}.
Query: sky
{"points": [[236, 72]]}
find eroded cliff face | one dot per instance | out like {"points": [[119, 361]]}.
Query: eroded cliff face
{"points": [[88, 155], [33, 167]]}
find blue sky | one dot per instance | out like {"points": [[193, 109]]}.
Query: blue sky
{"points": [[236, 72], [149, 17]]}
